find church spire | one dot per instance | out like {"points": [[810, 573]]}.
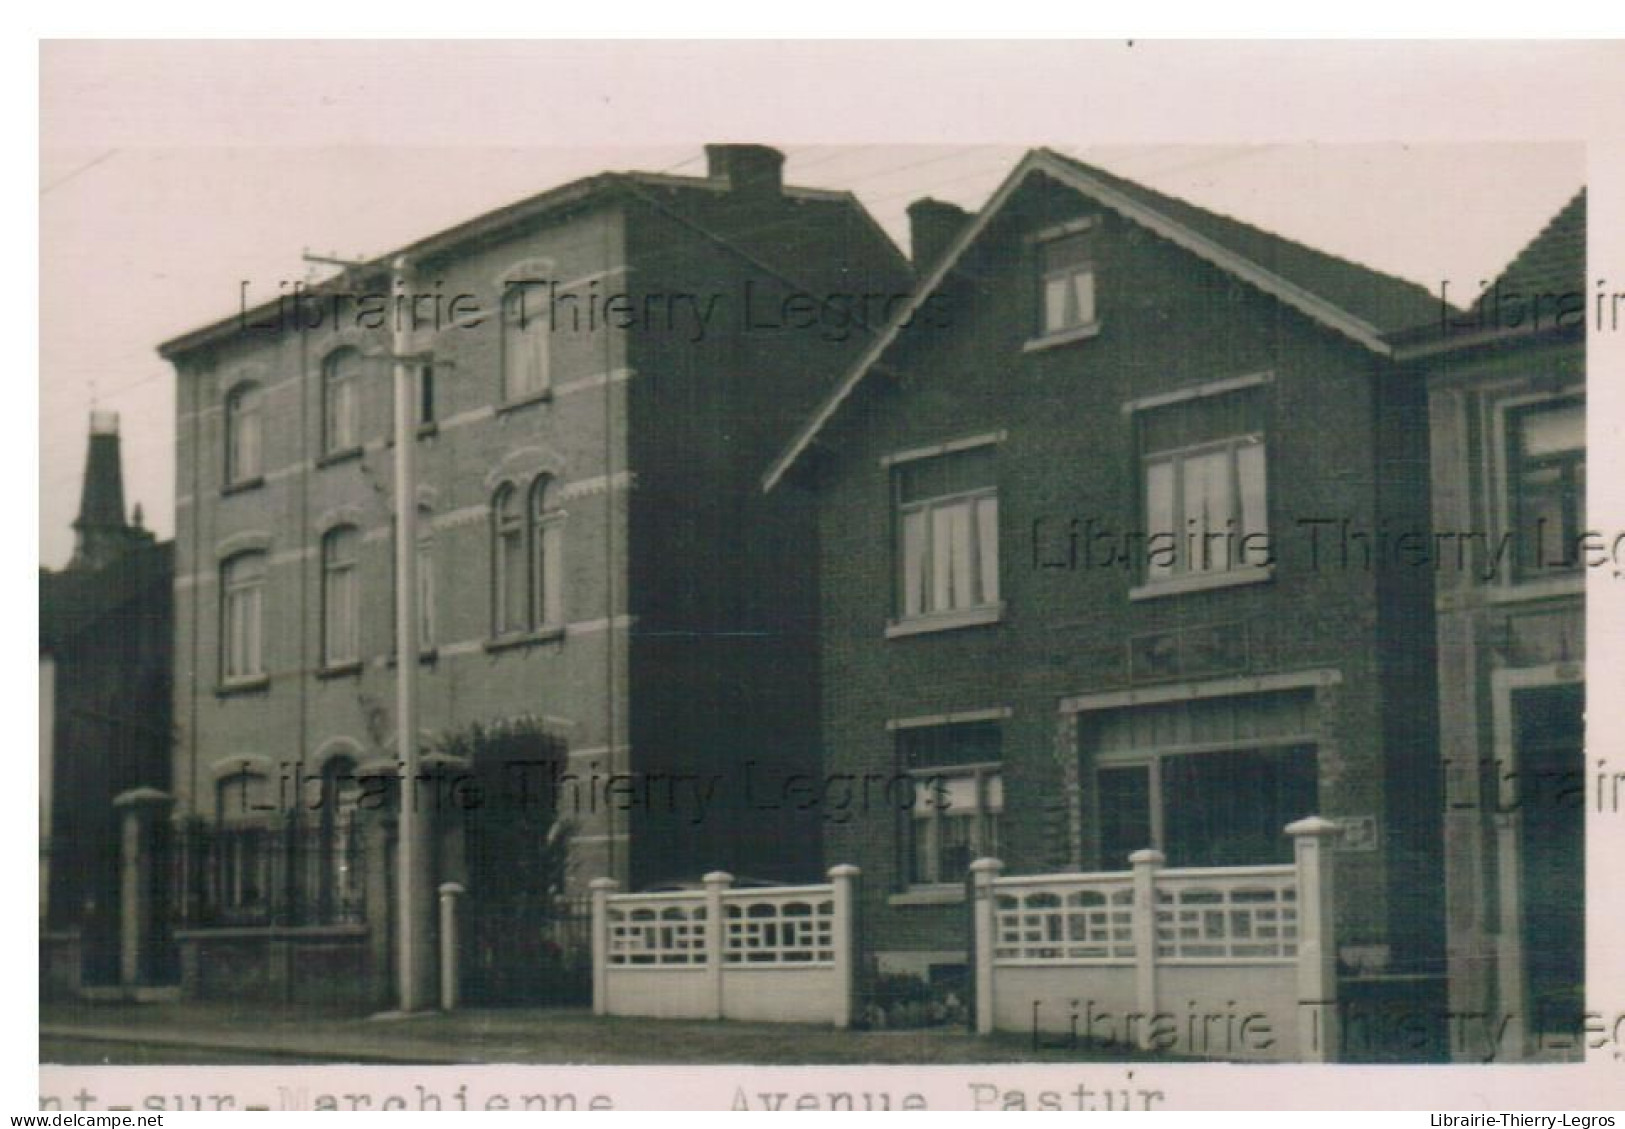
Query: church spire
{"points": [[102, 533]]}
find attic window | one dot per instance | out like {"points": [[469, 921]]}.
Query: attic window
{"points": [[1066, 284]]}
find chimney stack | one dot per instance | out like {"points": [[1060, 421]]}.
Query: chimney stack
{"points": [[933, 225], [754, 170]]}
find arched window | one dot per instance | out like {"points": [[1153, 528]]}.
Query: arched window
{"points": [[341, 597], [244, 431], [546, 556], [341, 402], [341, 879], [512, 612], [526, 330], [242, 617]]}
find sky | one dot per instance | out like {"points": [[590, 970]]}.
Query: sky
{"points": [[156, 203]]}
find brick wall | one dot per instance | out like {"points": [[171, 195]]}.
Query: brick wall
{"points": [[1168, 321]]}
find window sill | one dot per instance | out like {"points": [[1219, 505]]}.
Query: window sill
{"points": [[339, 670], [1202, 582], [551, 634], [541, 397], [242, 486], [1064, 337], [1552, 587], [928, 896], [424, 431], [334, 458], [234, 687], [945, 621], [426, 656]]}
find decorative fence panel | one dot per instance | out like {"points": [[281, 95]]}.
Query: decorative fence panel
{"points": [[1234, 962], [782, 954]]}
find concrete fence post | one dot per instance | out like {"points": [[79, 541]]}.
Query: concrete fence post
{"points": [[601, 889], [1317, 941], [141, 809], [1146, 863], [983, 874], [845, 880], [716, 935], [450, 982]]}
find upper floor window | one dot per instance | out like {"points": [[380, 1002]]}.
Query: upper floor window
{"points": [[1066, 264], [1546, 482], [526, 331], [242, 618], [947, 532], [341, 402], [425, 579], [341, 612], [529, 558], [244, 433], [424, 376], [1203, 470], [510, 613], [423, 397], [958, 798], [546, 555]]}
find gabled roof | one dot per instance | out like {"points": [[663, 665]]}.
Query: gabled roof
{"points": [[1554, 262], [1362, 304]]}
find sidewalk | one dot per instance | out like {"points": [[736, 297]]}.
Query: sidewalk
{"points": [[179, 1032]]}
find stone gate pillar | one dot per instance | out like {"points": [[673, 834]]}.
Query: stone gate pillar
{"points": [[141, 810]]}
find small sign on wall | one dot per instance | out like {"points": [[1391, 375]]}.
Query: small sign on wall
{"points": [[1359, 833]]}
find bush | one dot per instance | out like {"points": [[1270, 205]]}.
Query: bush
{"points": [[906, 1000]]}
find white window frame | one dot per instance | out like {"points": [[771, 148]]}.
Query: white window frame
{"points": [[545, 554], [1509, 586], [526, 340], [507, 529], [982, 551], [245, 434], [242, 609], [984, 819], [341, 401], [1087, 322], [1181, 576], [341, 642], [425, 580]]}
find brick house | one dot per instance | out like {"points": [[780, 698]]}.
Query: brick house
{"points": [[1099, 567], [106, 632], [1506, 387], [605, 368]]}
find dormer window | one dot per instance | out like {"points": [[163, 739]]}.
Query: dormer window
{"points": [[1066, 283]]}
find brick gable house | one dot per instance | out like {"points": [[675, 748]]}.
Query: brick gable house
{"points": [[1100, 567], [604, 371]]}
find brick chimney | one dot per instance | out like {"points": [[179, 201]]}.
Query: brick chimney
{"points": [[755, 170], [933, 225]]}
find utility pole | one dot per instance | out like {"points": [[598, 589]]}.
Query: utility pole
{"points": [[414, 953], [416, 893]]}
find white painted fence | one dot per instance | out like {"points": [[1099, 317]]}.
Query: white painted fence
{"points": [[781, 954], [1233, 962]]}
